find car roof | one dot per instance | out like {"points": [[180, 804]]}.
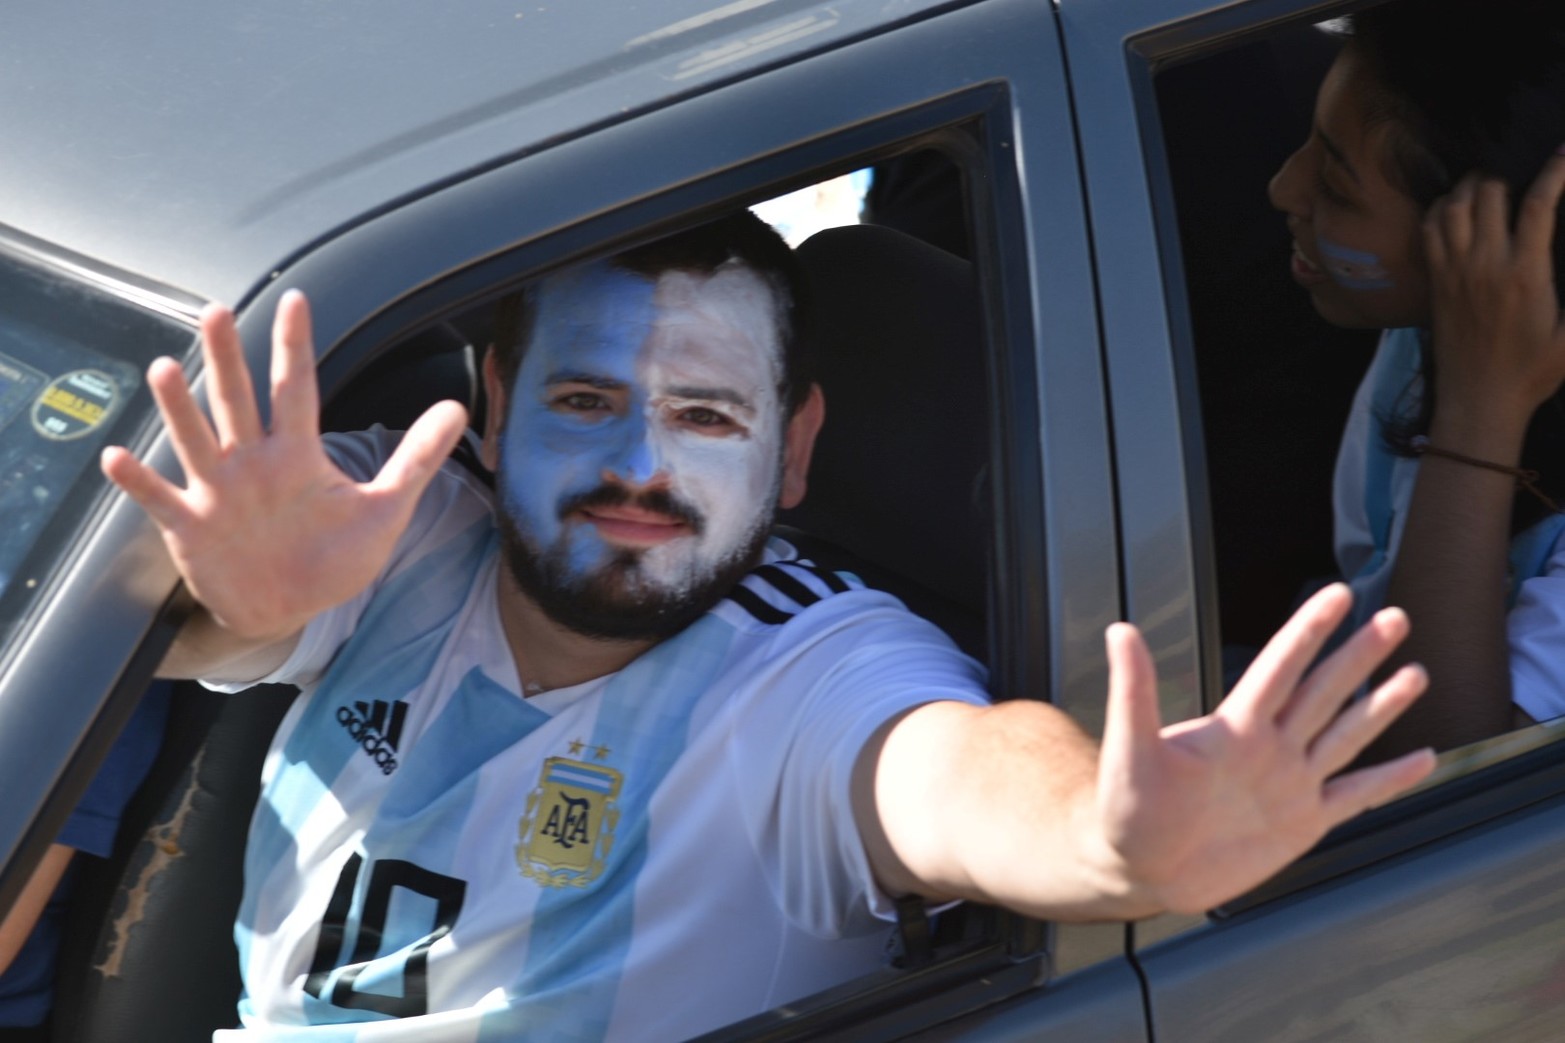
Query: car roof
{"points": [[204, 145]]}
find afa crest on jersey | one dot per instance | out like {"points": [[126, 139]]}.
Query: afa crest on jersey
{"points": [[568, 828]]}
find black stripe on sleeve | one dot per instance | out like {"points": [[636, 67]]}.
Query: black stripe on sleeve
{"points": [[786, 584], [837, 584], [752, 603]]}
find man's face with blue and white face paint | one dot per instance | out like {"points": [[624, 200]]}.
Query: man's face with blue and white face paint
{"points": [[642, 450]]}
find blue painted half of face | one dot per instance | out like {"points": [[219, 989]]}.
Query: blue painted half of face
{"points": [[1354, 269], [590, 325]]}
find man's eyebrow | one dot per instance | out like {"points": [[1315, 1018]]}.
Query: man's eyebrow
{"points": [[592, 380], [711, 395], [1336, 153]]}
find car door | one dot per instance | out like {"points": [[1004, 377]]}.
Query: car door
{"points": [[1435, 918], [998, 106], [984, 84]]}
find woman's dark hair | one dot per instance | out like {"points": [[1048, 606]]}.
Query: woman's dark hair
{"points": [[1464, 86], [739, 237]]}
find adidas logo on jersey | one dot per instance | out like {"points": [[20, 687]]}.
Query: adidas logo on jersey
{"points": [[376, 735]]}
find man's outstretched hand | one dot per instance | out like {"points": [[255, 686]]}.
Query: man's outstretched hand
{"points": [[1013, 804], [1203, 810], [267, 531]]}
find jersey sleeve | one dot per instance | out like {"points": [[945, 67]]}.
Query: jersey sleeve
{"points": [[1536, 631], [794, 749], [452, 500], [1353, 542]]}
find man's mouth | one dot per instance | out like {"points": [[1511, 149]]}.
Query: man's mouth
{"points": [[631, 526]]}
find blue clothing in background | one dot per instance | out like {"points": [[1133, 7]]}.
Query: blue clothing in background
{"points": [[26, 988]]}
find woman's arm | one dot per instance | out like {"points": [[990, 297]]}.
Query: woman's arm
{"points": [[1499, 349]]}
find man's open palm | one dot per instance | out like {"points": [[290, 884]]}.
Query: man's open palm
{"points": [[268, 532], [1208, 808]]}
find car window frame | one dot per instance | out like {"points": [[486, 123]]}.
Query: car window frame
{"points": [[877, 115], [1012, 961]]}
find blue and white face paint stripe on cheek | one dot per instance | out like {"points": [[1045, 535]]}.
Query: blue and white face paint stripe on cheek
{"points": [[1354, 269], [591, 322]]}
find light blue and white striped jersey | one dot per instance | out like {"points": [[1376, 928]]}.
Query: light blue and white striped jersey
{"points": [[644, 856]]}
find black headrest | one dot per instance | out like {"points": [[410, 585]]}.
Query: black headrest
{"points": [[436, 363], [898, 474]]}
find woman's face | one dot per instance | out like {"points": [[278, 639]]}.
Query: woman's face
{"points": [[1357, 242]]}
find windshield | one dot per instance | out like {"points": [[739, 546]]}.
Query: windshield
{"points": [[72, 356]]}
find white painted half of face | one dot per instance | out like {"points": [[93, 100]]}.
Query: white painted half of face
{"points": [[666, 385]]}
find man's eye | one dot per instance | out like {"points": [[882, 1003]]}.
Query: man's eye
{"points": [[702, 417], [581, 402]]}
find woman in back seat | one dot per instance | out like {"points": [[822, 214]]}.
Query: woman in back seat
{"points": [[1424, 202]]}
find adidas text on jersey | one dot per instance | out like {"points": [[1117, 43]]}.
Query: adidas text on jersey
{"points": [[367, 724]]}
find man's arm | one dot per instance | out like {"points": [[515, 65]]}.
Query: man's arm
{"points": [[207, 650], [1012, 804], [268, 531]]}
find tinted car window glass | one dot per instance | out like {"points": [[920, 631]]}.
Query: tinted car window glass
{"points": [[71, 363]]}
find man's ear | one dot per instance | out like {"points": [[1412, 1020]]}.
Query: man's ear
{"points": [[494, 411], [799, 444]]}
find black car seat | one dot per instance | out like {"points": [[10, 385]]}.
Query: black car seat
{"points": [[898, 489]]}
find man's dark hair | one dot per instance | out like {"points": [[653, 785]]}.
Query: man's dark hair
{"points": [[1469, 86], [738, 237]]}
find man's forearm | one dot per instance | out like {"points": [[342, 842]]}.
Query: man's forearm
{"points": [[1016, 782], [205, 649]]}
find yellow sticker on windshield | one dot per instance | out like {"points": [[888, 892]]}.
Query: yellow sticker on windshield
{"points": [[75, 404]]}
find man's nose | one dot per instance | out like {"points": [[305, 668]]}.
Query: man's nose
{"points": [[636, 460]]}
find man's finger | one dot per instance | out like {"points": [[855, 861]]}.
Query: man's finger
{"points": [[156, 494], [1322, 693], [229, 390], [1132, 719], [1540, 210], [191, 434], [1269, 683], [422, 450], [295, 393], [1358, 791], [1365, 719]]}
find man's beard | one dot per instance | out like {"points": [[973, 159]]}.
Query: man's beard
{"points": [[616, 600]]}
